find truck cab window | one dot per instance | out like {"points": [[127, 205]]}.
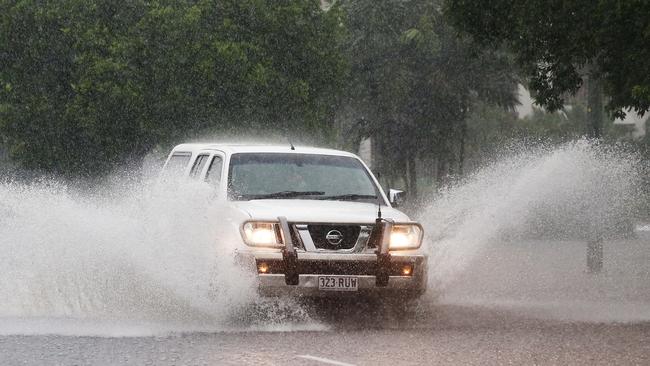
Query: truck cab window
{"points": [[213, 176], [176, 164], [198, 165]]}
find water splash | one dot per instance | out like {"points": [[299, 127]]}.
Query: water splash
{"points": [[135, 252], [516, 231]]}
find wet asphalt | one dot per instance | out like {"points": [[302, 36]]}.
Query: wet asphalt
{"points": [[353, 334]]}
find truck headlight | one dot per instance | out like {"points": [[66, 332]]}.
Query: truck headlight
{"points": [[405, 236], [262, 234]]}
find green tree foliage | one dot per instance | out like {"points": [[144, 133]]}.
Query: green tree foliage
{"points": [[558, 43], [412, 83], [89, 84]]}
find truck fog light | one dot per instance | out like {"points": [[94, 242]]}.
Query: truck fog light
{"points": [[262, 267], [407, 270]]}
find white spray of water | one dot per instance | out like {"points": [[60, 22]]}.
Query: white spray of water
{"points": [[516, 231], [138, 253]]}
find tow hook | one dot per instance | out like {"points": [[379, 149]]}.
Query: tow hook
{"points": [[384, 228], [289, 255]]}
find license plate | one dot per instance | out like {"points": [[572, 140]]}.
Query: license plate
{"points": [[338, 283]]}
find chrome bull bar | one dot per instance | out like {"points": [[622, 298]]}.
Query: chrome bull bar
{"points": [[380, 236], [289, 254], [384, 228]]}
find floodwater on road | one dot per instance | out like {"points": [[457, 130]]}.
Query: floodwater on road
{"points": [[442, 334]]}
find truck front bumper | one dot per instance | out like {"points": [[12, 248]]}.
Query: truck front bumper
{"points": [[407, 274]]}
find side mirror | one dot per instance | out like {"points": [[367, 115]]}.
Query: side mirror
{"points": [[396, 197]]}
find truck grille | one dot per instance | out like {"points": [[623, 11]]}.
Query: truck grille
{"points": [[334, 237]]}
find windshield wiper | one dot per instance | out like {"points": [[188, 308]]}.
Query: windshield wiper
{"points": [[283, 194], [348, 197]]}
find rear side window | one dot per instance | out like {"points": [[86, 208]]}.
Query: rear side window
{"points": [[199, 163], [177, 163], [213, 176]]}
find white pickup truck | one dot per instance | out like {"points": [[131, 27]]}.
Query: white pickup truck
{"points": [[309, 221]]}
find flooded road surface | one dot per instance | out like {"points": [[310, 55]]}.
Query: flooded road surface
{"points": [[442, 334]]}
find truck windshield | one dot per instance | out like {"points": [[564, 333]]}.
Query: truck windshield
{"points": [[303, 176]]}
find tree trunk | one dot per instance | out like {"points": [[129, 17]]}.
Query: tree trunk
{"points": [[412, 177], [461, 153], [595, 255], [594, 107], [595, 126], [375, 156], [442, 171]]}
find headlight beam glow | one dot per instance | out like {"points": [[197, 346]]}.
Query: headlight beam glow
{"points": [[261, 234], [405, 236]]}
